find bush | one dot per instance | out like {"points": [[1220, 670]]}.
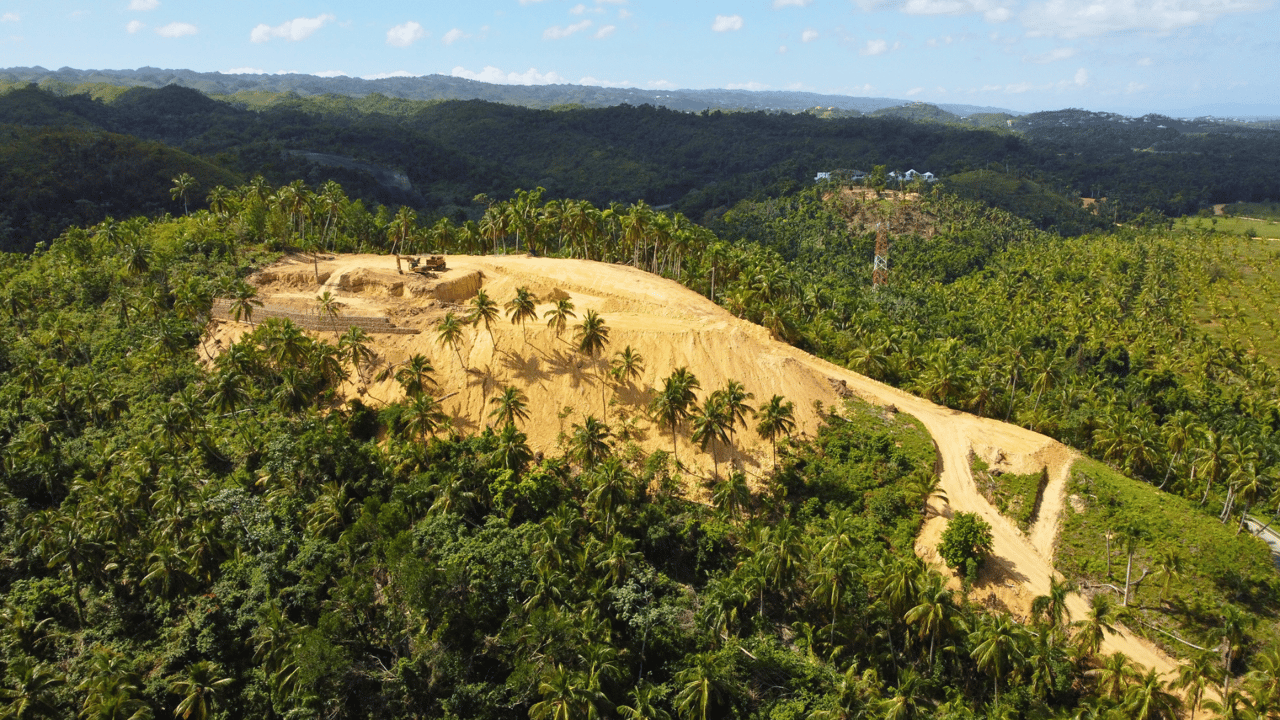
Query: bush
{"points": [[967, 537]]}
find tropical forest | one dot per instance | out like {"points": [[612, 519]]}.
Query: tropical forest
{"points": [[322, 406]]}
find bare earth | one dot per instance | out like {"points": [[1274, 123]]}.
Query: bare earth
{"points": [[671, 326]]}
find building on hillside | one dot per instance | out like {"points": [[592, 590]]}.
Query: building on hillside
{"points": [[841, 174]]}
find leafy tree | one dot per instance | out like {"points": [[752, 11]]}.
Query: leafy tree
{"points": [[966, 539]]}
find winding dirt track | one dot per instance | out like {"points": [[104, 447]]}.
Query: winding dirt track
{"points": [[671, 326]]}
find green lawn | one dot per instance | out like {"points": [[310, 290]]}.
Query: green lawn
{"points": [[1219, 566], [1240, 303]]}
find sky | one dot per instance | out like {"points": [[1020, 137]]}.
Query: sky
{"points": [[1131, 56]]}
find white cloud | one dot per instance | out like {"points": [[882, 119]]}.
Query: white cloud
{"points": [[405, 34], [245, 71], [791, 3], [384, 76], [605, 31], [559, 33], [10, 17], [1082, 77], [914, 91], [1146, 62], [808, 36], [493, 75], [938, 42], [623, 14], [331, 73], [581, 9], [529, 2], [1053, 55], [753, 85], [725, 23], [296, 29], [991, 10], [1071, 18], [661, 84], [782, 49], [454, 36], [141, 5], [875, 47], [1134, 87], [134, 26], [596, 82], [176, 29]]}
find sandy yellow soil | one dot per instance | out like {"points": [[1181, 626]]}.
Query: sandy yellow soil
{"points": [[671, 326]]}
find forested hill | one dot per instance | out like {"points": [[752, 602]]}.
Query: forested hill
{"points": [[448, 152], [445, 87]]}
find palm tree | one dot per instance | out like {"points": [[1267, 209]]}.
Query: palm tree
{"points": [[589, 442], [512, 451], [593, 336], [512, 405], [35, 694], [645, 699], [354, 348], [702, 684], [329, 307], [484, 310], [198, 688], [558, 316], [1169, 566], [1114, 676], [732, 496], [243, 300], [449, 333], [711, 424], [997, 648], [671, 403], [777, 417], [934, 612], [414, 375], [1053, 607], [1148, 699], [626, 366], [1095, 626], [183, 184], [422, 416], [522, 308], [566, 696], [735, 397]]}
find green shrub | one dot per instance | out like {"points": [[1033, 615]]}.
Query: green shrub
{"points": [[967, 537]]}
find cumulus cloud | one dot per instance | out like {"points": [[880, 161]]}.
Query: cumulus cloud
{"points": [[559, 33], [141, 5], [1070, 18], [494, 75], [1082, 77], [1053, 55], [782, 49], [581, 9], [809, 35], [661, 84], [605, 31], [991, 10], [791, 3], [597, 82], [176, 29], [384, 76], [245, 71], [1146, 62], [10, 17], [726, 23], [296, 29], [753, 85], [454, 36], [405, 34], [877, 47], [1134, 87], [914, 91], [134, 26], [331, 74]]}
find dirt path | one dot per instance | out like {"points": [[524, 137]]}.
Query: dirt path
{"points": [[671, 326]]}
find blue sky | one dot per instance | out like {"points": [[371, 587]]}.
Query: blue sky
{"points": [[1132, 56]]}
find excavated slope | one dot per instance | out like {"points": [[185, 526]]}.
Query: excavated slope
{"points": [[671, 326]]}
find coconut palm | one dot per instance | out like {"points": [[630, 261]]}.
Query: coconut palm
{"points": [[1115, 675], [1169, 566], [422, 416], [1147, 698], [199, 688], [589, 442], [354, 348], [1053, 607], [183, 185], [484, 311], [735, 397], [701, 685], [511, 405], [244, 299], [414, 375], [777, 417], [522, 308], [626, 366], [558, 316], [711, 426], [997, 648], [449, 333], [1095, 626], [671, 404]]}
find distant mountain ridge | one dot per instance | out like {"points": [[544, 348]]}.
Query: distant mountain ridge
{"points": [[444, 87]]}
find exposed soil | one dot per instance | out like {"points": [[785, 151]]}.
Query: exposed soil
{"points": [[671, 326]]}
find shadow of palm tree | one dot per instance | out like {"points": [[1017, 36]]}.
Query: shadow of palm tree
{"points": [[528, 368]]}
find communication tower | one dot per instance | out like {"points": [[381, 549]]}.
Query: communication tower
{"points": [[880, 266]]}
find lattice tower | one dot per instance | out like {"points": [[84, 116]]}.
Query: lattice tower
{"points": [[880, 266]]}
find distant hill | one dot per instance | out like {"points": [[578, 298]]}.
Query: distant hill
{"points": [[444, 87]]}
